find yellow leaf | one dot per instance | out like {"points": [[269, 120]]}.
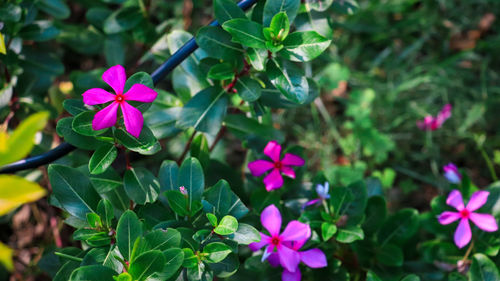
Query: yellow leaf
{"points": [[6, 257], [15, 191], [3, 50], [3, 142]]}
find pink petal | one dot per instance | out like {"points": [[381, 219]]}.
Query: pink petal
{"points": [[292, 160], [463, 233], [291, 276], [289, 258], [133, 119], [273, 150], [268, 251], [295, 230], [115, 76], [296, 244], [309, 203], [273, 180], [139, 92], [97, 96], [448, 217], [443, 115], [259, 167], [477, 200], [485, 222], [313, 258], [271, 220], [274, 259], [455, 200], [287, 171], [264, 240], [106, 117]]}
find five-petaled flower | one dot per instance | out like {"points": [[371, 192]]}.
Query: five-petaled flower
{"points": [[452, 174], [322, 191], [463, 232], [274, 180], [283, 249], [431, 123], [115, 77]]}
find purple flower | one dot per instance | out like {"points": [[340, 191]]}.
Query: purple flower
{"points": [[115, 77], [274, 180], [281, 243], [463, 233], [452, 174], [431, 123], [322, 191]]}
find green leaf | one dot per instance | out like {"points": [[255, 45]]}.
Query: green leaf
{"points": [[177, 202], [65, 130], [356, 208], [6, 254], [163, 239], [223, 201], [102, 158], [271, 8], [257, 58], [228, 225], [328, 230], [56, 8], [221, 71], [174, 259], [216, 251], [227, 267], [141, 185], [375, 214], [248, 89], [106, 212], [128, 230], [370, 276], [190, 260], [39, 31], [147, 264], [92, 273], [139, 78], [319, 5], [114, 50], [390, 254], [280, 26], [225, 10], [24, 192], [199, 149], [399, 227], [212, 219], [73, 190], [350, 234], [21, 142], [289, 80], [192, 178], [414, 277], [74, 106], [246, 128], [217, 43], [205, 111], [246, 32], [94, 220], [483, 269], [125, 276], [168, 175], [82, 124], [10, 12], [123, 19], [245, 234], [304, 46], [146, 144]]}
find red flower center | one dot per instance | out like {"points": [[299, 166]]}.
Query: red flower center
{"points": [[278, 165], [464, 213], [275, 241], [119, 98]]}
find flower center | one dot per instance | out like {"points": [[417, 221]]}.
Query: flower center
{"points": [[278, 165], [275, 241], [464, 213], [119, 98]]}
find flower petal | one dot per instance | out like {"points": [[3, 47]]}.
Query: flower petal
{"points": [[273, 150], [97, 96], [139, 92], [291, 276], [259, 167], [463, 233], [289, 258], [295, 230], [274, 259], [477, 200], [309, 203], [267, 252], [485, 222], [455, 200], [287, 171], [273, 180], [443, 115], [271, 220], [448, 217], [115, 76], [132, 118], [264, 240], [106, 117], [292, 160], [313, 258]]}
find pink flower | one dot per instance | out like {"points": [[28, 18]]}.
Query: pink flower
{"points": [[274, 180], [281, 243], [463, 233], [431, 123], [322, 191], [452, 174], [115, 77]]}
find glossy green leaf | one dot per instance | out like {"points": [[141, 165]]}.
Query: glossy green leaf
{"points": [[64, 129], [375, 214], [39, 31], [289, 80], [328, 230], [399, 227], [168, 175], [248, 89], [146, 144], [82, 124], [125, 276], [222, 71], [271, 8], [102, 158], [106, 212], [174, 258], [370, 276], [226, 9], [92, 273], [128, 230], [390, 254], [192, 178], [217, 43], [246, 128], [319, 5], [74, 106], [483, 269], [141, 185], [212, 219], [304, 46], [190, 260], [139, 78], [178, 202], [413, 277], [257, 58], [114, 50], [163, 239], [228, 225], [245, 234], [56, 8], [350, 234], [280, 26], [246, 32], [10, 12], [223, 201], [146, 264], [216, 251], [123, 19]]}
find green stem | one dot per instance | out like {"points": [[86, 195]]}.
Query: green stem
{"points": [[73, 258], [489, 163]]}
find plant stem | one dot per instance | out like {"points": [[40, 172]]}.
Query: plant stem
{"points": [[219, 136], [186, 148], [73, 258], [469, 250], [489, 164]]}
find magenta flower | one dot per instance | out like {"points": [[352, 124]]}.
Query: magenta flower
{"points": [[463, 233], [431, 123], [274, 180], [115, 77], [452, 174], [322, 191], [281, 243]]}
